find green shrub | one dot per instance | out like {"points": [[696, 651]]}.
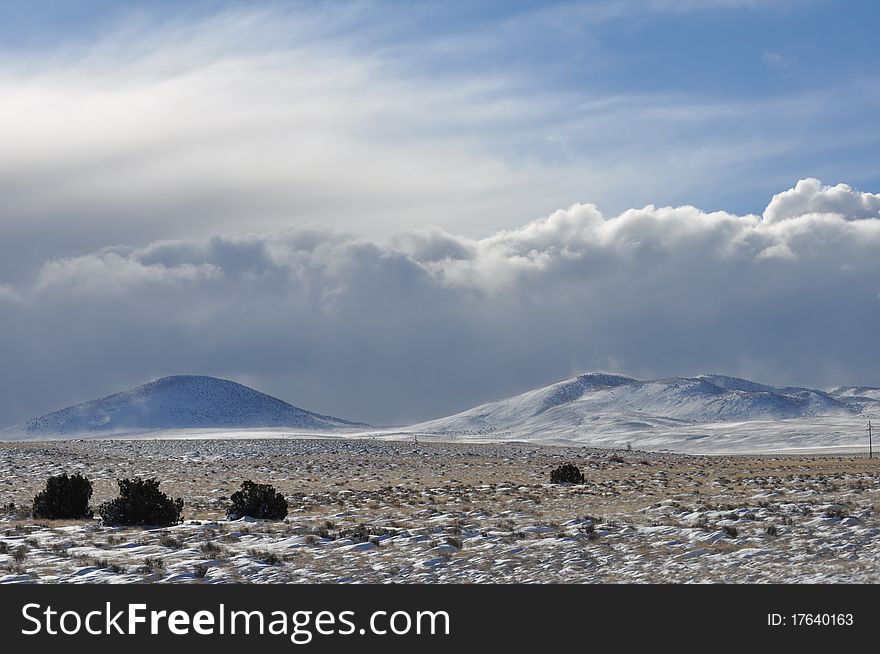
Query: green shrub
{"points": [[140, 502], [257, 501], [65, 498]]}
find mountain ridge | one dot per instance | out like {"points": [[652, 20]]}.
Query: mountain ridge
{"points": [[611, 402], [592, 407]]}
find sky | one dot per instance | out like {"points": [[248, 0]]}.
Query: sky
{"points": [[394, 211]]}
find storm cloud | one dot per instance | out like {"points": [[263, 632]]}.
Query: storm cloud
{"points": [[426, 323]]}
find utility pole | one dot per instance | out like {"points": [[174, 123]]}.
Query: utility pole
{"points": [[870, 440]]}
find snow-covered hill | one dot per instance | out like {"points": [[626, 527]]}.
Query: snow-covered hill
{"points": [[179, 402], [866, 397], [707, 414], [592, 406]]}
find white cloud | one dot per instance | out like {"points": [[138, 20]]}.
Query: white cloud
{"points": [[7, 293], [811, 196], [427, 322], [254, 120]]}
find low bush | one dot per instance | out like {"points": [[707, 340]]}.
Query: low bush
{"points": [[212, 549], [360, 534], [455, 541], [140, 502], [167, 540], [258, 501], [66, 497], [151, 565], [567, 473], [269, 558], [19, 554]]}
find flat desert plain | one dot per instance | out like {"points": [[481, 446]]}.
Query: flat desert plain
{"points": [[376, 511]]}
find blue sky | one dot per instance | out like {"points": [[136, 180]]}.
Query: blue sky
{"points": [[451, 151], [767, 92], [718, 48]]}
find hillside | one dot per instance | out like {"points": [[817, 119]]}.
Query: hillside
{"points": [[595, 404], [179, 402]]}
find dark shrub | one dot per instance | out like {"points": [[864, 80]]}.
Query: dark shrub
{"points": [[140, 502], [65, 498], [567, 473], [730, 530], [212, 549], [167, 540], [257, 501], [590, 531], [19, 554], [360, 534], [151, 565], [455, 541], [269, 558]]}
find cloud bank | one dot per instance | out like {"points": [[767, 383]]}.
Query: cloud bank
{"points": [[426, 323], [375, 117]]}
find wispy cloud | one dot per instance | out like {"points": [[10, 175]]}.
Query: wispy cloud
{"points": [[776, 60]]}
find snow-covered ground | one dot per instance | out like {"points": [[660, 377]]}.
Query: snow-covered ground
{"points": [[820, 434], [706, 414], [710, 413], [390, 511], [828, 434]]}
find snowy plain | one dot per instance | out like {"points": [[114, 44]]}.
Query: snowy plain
{"points": [[390, 511]]}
